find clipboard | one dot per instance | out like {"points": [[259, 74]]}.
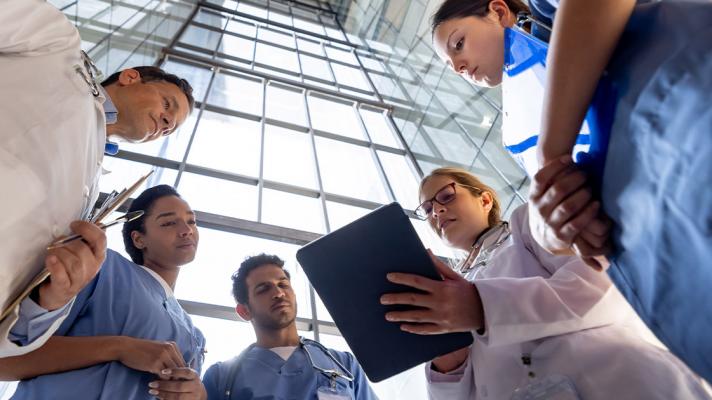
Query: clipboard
{"points": [[109, 206], [348, 269]]}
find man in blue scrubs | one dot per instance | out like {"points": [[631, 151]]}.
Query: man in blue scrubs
{"points": [[281, 365]]}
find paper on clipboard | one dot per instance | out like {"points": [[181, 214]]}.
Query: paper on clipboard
{"points": [[114, 202]]}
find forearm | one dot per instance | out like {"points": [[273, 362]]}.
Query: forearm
{"points": [[60, 354], [584, 37]]}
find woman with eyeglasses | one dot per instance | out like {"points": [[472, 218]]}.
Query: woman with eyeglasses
{"points": [[545, 326]]}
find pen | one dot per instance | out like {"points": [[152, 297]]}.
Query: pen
{"points": [[128, 217]]}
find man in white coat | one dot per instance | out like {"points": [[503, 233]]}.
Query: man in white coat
{"points": [[55, 125]]}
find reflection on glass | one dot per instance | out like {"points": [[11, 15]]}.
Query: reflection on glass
{"points": [[378, 128], [292, 211], [334, 117], [289, 157], [342, 214], [218, 196], [285, 105], [356, 178], [123, 173], [237, 93], [227, 143], [402, 177]]}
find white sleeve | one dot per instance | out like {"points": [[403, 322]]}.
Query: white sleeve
{"points": [[573, 298], [34, 27], [29, 327], [458, 384]]}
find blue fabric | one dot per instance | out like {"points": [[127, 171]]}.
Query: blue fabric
{"points": [[110, 111], [123, 299], [33, 321], [263, 375], [657, 178]]}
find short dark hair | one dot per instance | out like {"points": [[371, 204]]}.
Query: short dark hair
{"points": [[155, 74], [143, 202], [239, 278], [452, 9]]}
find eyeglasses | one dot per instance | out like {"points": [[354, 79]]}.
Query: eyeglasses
{"points": [[443, 196]]}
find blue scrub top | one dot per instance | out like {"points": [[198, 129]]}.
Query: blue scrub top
{"points": [[656, 178], [122, 300], [262, 374]]}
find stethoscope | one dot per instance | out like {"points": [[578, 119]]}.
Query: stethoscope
{"points": [[332, 374], [485, 244], [91, 74]]}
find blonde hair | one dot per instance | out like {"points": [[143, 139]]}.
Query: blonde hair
{"points": [[471, 183]]}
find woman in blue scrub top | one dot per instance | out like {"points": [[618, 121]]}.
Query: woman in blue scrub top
{"points": [[126, 336], [654, 183]]}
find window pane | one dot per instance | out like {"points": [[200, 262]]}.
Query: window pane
{"points": [[350, 76], [268, 35], [237, 93], [276, 57], [402, 178], [379, 128], [219, 256], [341, 55], [285, 105], [292, 211], [315, 67], [308, 26], [289, 157], [227, 143], [241, 27], [200, 37], [310, 46], [338, 118], [219, 196], [237, 47], [359, 178], [252, 10]]}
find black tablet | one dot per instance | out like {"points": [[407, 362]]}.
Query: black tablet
{"points": [[348, 269]]}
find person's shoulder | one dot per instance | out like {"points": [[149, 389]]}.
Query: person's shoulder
{"points": [[344, 357], [519, 219]]}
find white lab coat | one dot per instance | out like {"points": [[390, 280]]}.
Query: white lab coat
{"points": [[51, 145], [571, 320]]}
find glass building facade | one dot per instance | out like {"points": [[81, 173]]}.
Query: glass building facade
{"points": [[308, 115]]}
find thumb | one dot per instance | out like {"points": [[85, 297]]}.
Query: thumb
{"points": [[443, 269]]}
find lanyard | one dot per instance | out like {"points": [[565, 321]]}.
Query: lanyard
{"points": [[89, 72]]}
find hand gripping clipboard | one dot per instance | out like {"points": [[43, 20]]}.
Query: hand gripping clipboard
{"points": [[112, 203]]}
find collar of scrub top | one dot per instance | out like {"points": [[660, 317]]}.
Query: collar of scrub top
{"points": [[303, 342], [112, 115], [486, 243]]}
